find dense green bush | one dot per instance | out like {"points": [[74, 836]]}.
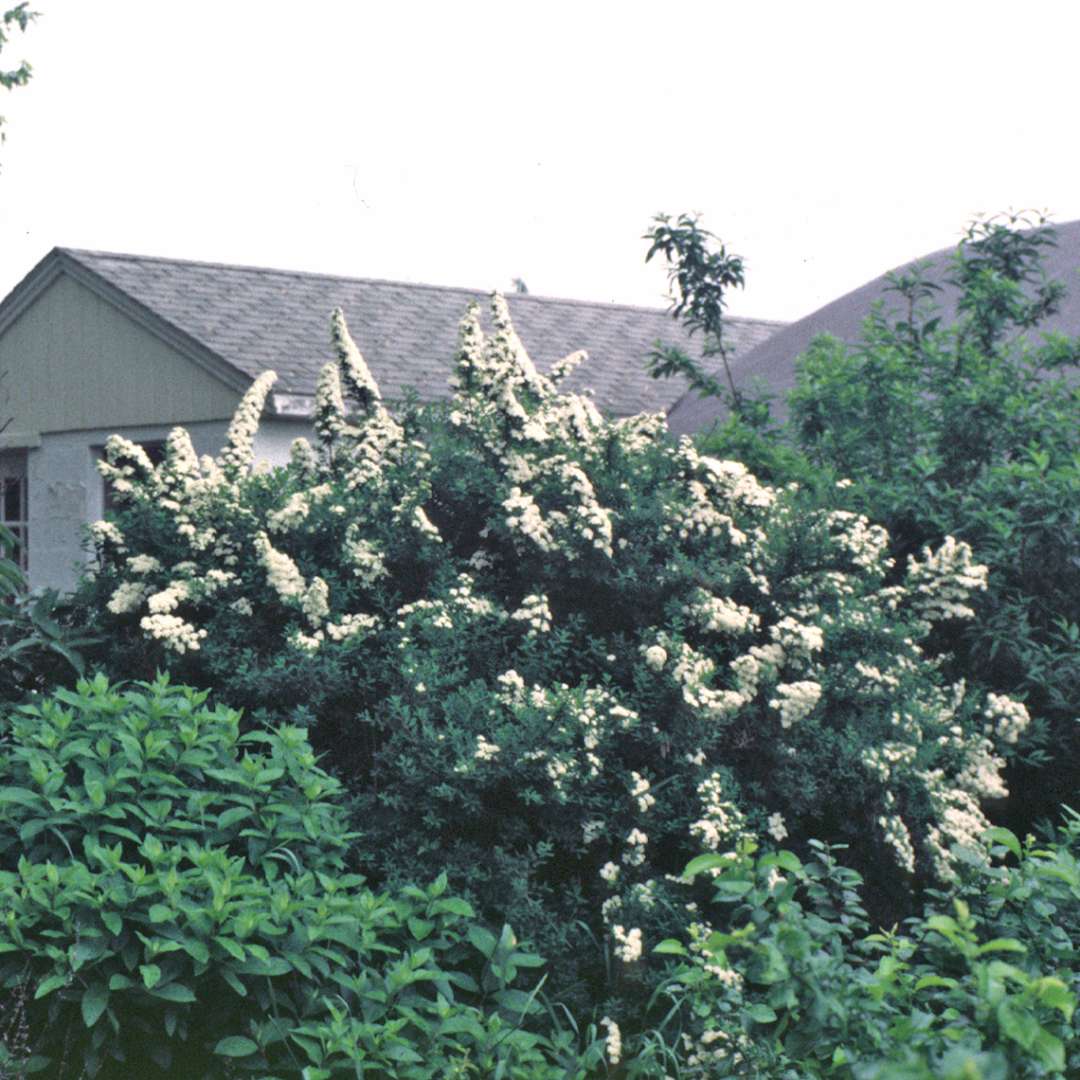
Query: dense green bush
{"points": [[789, 983], [175, 902], [967, 428], [556, 654]]}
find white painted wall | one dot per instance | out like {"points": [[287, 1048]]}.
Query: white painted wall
{"points": [[275, 437], [66, 491]]}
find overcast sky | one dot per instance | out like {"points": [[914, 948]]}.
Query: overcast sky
{"points": [[466, 143]]}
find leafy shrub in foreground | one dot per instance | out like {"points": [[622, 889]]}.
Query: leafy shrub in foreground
{"points": [[790, 984], [175, 902], [555, 653], [38, 649]]}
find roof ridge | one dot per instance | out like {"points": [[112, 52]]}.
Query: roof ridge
{"points": [[317, 275]]}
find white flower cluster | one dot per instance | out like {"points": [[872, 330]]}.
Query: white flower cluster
{"points": [[889, 758], [613, 1041], [127, 597], [141, 564], [723, 822], [350, 626], [634, 855], [898, 838], [485, 751], [692, 670], [282, 574], [1006, 718], [941, 585], [173, 632], [315, 602], [128, 471], [168, 599], [364, 557], [627, 944], [866, 544], [761, 662], [535, 612], [796, 638], [236, 457], [639, 791], [297, 507], [962, 824], [776, 827], [720, 614], [795, 701], [655, 657], [105, 534]]}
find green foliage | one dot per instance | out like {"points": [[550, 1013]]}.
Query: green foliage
{"points": [[175, 895], [553, 653], [20, 17], [790, 984], [698, 278], [971, 430], [39, 646]]}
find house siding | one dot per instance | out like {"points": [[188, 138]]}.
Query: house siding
{"points": [[73, 361]]}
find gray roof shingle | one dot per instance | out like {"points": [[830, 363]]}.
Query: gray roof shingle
{"points": [[254, 318]]}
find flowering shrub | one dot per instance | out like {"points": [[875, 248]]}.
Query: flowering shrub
{"points": [[557, 651], [175, 897], [789, 982]]}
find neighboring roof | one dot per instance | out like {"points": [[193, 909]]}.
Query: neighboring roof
{"points": [[773, 361], [241, 320]]}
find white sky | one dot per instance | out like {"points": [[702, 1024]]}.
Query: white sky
{"points": [[467, 143]]}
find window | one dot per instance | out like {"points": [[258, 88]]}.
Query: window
{"points": [[14, 511], [155, 451]]}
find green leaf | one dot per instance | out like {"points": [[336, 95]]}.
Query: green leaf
{"points": [[47, 986], [761, 1014], [94, 1000], [151, 975], [671, 947], [230, 817], [1004, 837], [159, 913], [113, 922], [1021, 1027], [1001, 945], [174, 992], [483, 940], [420, 928], [703, 863], [789, 861], [236, 1046], [1050, 1050]]}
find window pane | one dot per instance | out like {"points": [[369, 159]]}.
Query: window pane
{"points": [[13, 501]]}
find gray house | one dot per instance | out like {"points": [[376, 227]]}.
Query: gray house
{"points": [[93, 343]]}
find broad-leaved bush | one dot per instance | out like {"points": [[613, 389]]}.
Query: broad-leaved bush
{"points": [[557, 654], [176, 901], [788, 982]]}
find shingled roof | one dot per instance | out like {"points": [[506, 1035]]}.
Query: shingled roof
{"points": [[251, 318]]}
